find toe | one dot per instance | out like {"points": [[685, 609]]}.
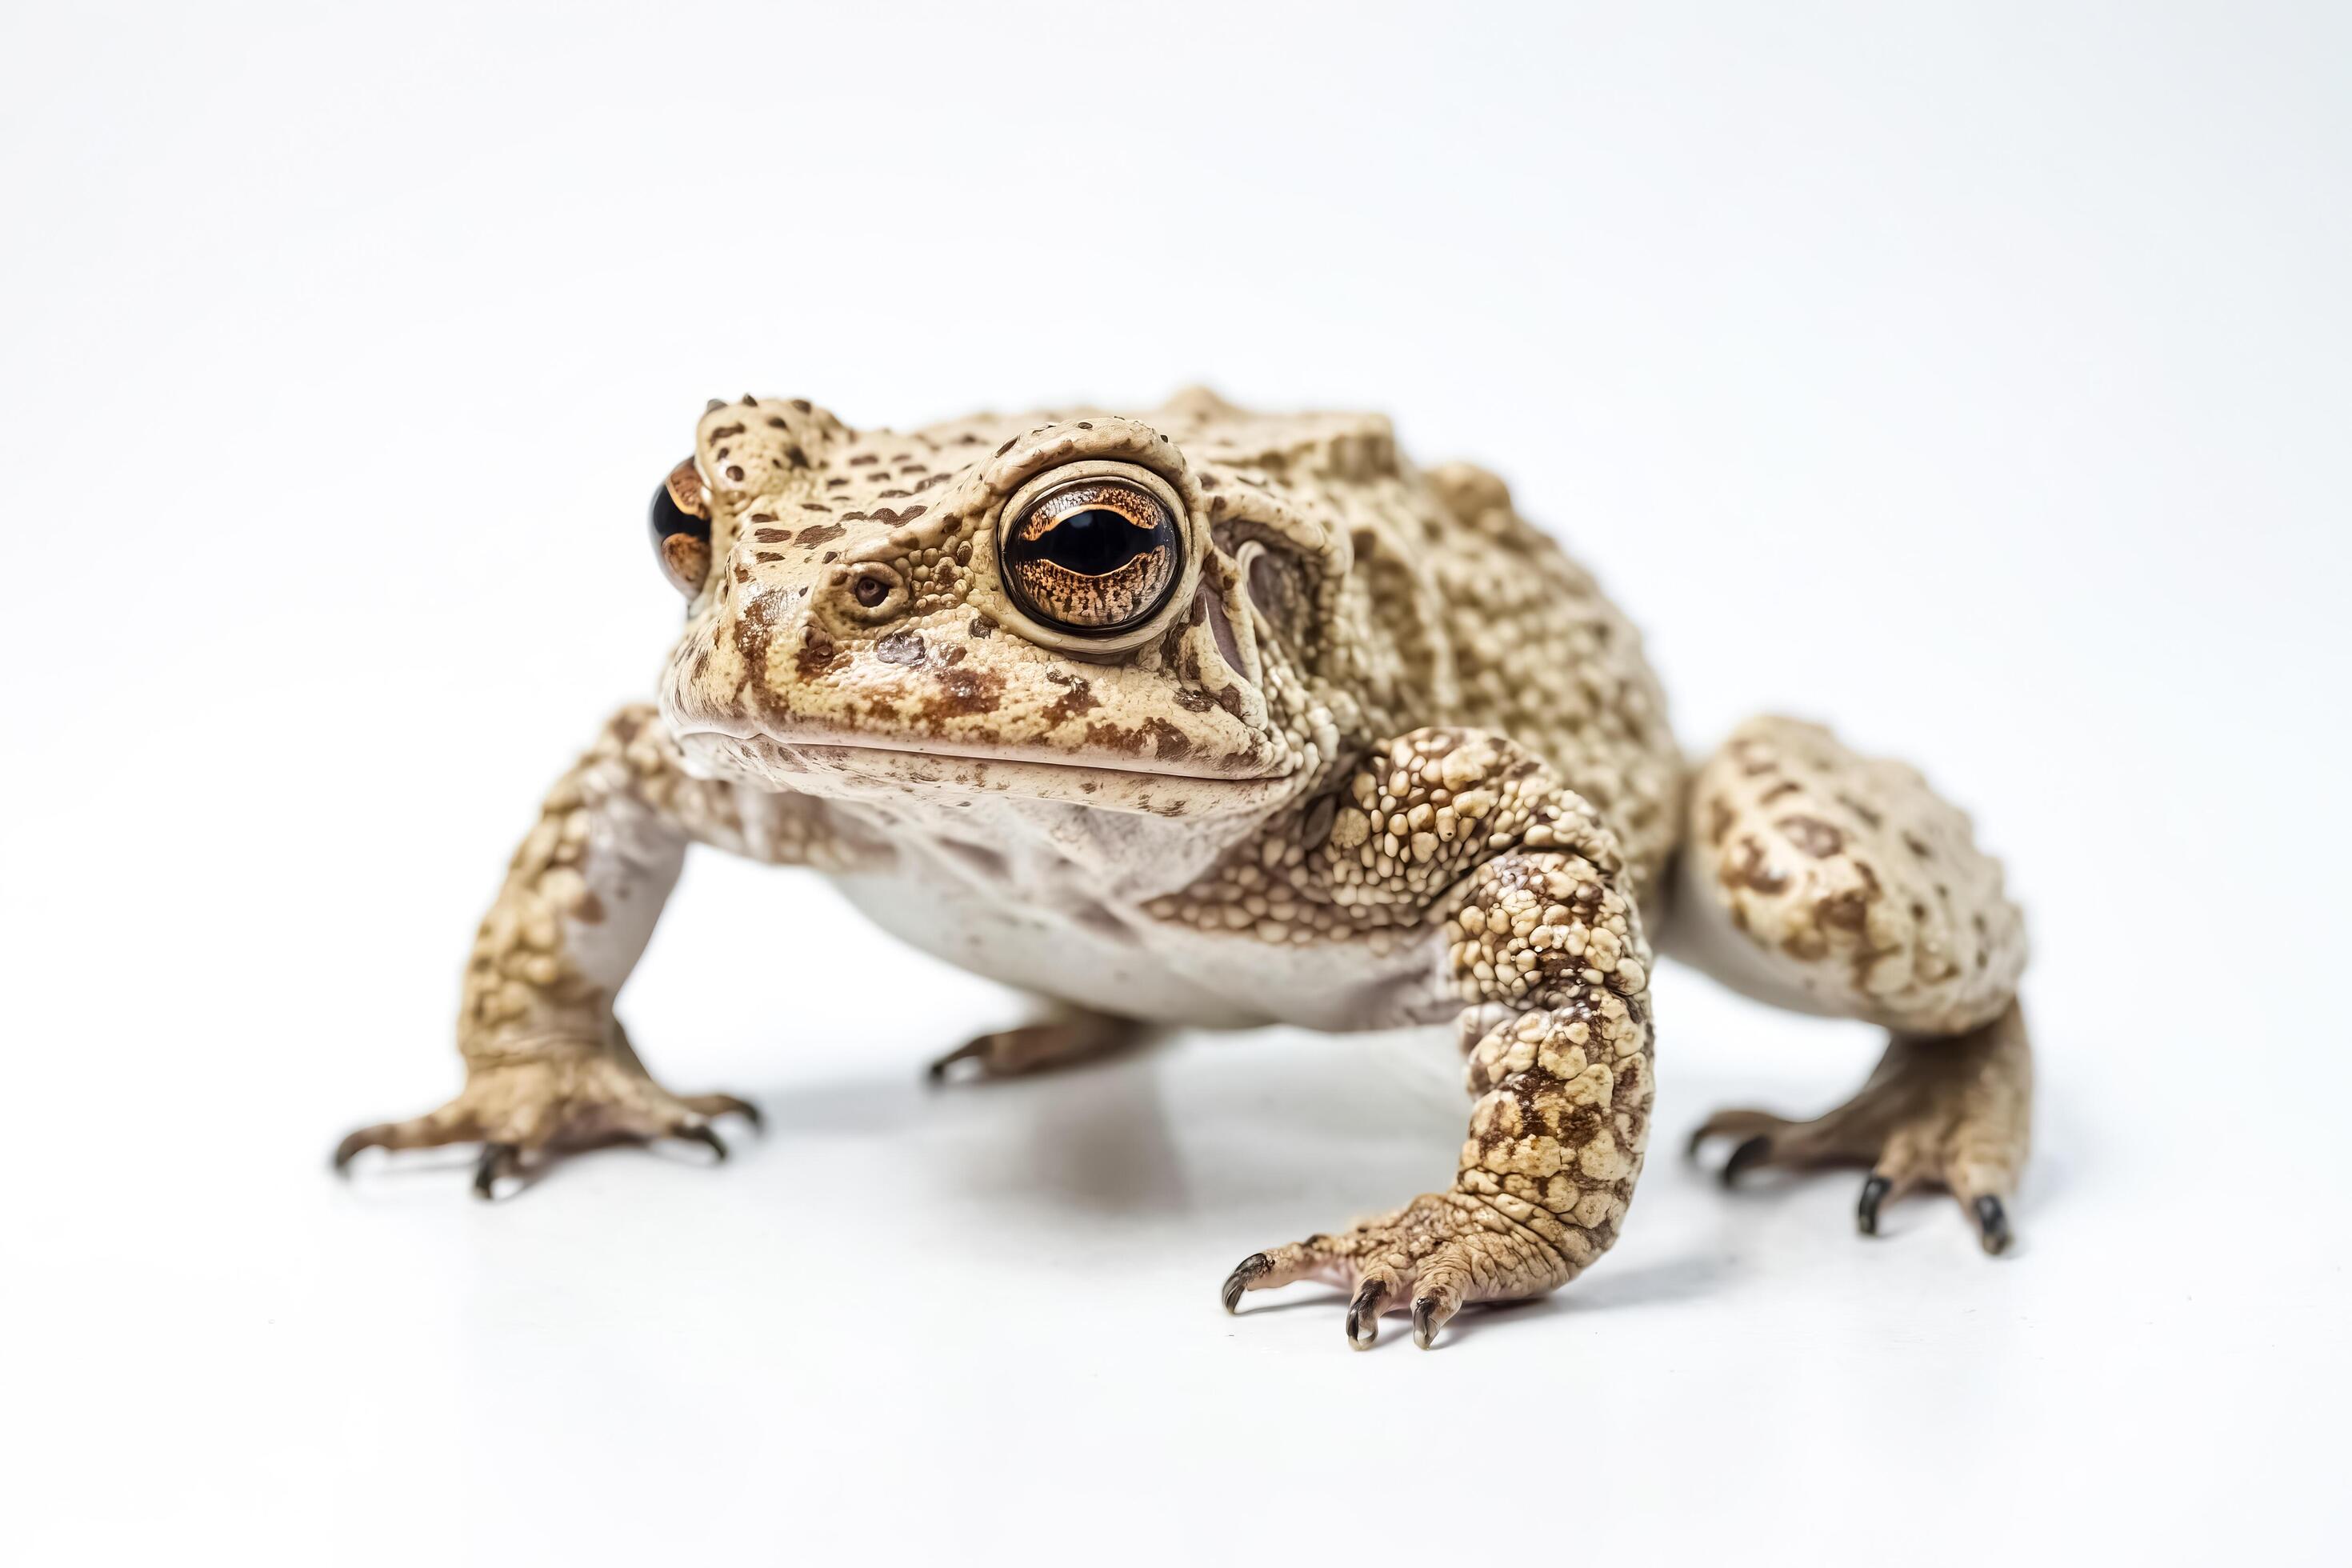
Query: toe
{"points": [[977, 1048], [1992, 1224], [1735, 1125], [496, 1161], [1431, 1311], [452, 1123], [1277, 1267], [1429, 1315], [703, 1133], [363, 1138], [1440, 1284], [1364, 1312], [726, 1105], [1248, 1271], [1755, 1151], [1873, 1193]]}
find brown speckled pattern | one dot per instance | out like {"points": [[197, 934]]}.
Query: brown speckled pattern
{"points": [[1546, 950], [1864, 888], [1384, 754], [547, 1063]]}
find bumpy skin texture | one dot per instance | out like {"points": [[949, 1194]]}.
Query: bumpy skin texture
{"points": [[548, 1065], [1835, 883], [1384, 755], [1546, 950], [1864, 887]]}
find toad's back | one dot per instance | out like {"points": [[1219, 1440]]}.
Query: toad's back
{"points": [[1468, 614]]}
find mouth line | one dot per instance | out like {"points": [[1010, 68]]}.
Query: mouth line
{"points": [[820, 749]]}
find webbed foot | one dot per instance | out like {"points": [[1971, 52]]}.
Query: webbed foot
{"points": [[1429, 1258], [1951, 1113], [565, 1098]]}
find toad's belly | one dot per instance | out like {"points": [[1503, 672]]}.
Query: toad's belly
{"points": [[1123, 962]]}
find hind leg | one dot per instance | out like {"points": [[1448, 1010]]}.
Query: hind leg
{"points": [[1819, 879]]}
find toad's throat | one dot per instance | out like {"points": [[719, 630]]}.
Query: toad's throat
{"points": [[824, 766]]}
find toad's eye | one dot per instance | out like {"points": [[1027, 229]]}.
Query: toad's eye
{"points": [[681, 521], [1095, 555]]}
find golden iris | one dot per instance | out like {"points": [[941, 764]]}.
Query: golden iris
{"points": [[1093, 555]]}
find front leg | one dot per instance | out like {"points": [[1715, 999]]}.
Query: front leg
{"points": [[547, 1065], [1479, 845]]}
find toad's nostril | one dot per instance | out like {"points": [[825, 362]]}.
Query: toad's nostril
{"points": [[871, 592]]}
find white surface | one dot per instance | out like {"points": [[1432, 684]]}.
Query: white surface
{"points": [[1976, 378]]}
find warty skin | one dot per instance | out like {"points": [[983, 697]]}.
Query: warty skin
{"points": [[1203, 716]]}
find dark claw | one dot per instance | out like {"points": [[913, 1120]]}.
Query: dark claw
{"points": [[1364, 1315], [1873, 1193], [975, 1047], [1992, 1225], [1256, 1264], [701, 1132], [748, 1111], [488, 1168], [1424, 1321], [1748, 1155], [346, 1150], [1697, 1141]]}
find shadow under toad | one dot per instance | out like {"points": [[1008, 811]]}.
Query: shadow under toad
{"points": [[1231, 1125]]}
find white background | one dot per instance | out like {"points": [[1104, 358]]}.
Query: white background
{"points": [[1974, 375]]}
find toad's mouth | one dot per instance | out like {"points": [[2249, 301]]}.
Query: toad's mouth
{"points": [[822, 765]]}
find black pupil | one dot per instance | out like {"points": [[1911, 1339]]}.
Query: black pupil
{"points": [[666, 519], [1093, 543]]}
